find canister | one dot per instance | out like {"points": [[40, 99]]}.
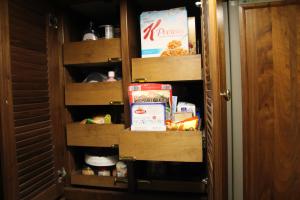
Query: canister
{"points": [[106, 31]]}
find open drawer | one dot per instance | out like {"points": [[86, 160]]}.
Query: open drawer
{"points": [[104, 93], [178, 146], [93, 135], [92, 52], [175, 68]]}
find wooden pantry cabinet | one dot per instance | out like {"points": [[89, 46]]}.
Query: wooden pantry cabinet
{"points": [[44, 99]]}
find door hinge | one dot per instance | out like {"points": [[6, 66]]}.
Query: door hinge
{"points": [[62, 173], [53, 21]]}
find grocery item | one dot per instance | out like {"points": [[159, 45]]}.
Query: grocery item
{"points": [[186, 107], [151, 93], [106, 31], [90, 33], [111, 76], [164, 33], [180, 116], [121, 169], [87, 171], [189, 124], [148, 117], [104, 171], [100, 119]]}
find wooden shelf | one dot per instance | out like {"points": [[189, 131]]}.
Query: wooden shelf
{"points": [[104, 93], [175, 68], [178, 146], [172, 186], [97, 181], [93, 135], [92, 52]]}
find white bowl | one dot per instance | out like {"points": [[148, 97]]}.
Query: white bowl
{"points": [[100, 161]]}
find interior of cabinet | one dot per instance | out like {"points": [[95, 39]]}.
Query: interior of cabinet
{"points": [[163, 175]]}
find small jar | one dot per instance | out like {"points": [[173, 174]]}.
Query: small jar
{"points": [[104, 171], [121, 169], [106, 31], [111, 76], [87, 171]]}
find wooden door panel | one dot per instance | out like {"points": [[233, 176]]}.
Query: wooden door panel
{"points": [[31, 107], [271, 100]]}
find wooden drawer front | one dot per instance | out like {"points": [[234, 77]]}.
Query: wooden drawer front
{"points": [[98, 181], [93, 93], [91, 52], [172, 186], [93, 135], [184, 146], [176, 68]]}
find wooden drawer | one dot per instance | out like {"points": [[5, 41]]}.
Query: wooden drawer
{"points": [[98, 181], [171, 186], [93, 135], [179, 146], [176, 68], [92, 52], [104, 93]]}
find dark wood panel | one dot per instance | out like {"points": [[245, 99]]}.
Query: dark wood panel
{"points": [[79, 194], [34, 160], [35, 167], [31, 127], [270, 62]]}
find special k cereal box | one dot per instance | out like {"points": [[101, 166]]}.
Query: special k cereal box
{"points": [[164, 33]]}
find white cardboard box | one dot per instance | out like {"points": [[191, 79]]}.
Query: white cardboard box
{"points": [[148, 117], [164, 33]]}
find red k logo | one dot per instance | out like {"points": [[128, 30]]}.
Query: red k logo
{"points": [[149, 30]]}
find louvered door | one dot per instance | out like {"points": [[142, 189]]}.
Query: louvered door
{"points": [[30, 102], [215, 106]]}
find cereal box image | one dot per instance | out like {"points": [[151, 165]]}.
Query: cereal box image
{"points": [[164, 33]]}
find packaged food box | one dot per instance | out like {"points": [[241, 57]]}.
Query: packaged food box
{"points": [[151, 93], [148, 117], [164, 33]]}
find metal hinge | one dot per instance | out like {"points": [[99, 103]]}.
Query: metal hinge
{"points": [[53, 21], [62, 173]]}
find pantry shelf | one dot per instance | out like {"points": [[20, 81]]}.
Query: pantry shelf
{"points": [[97, 181], [93, 135], [92, 52], [103, 93], [173, 68], [178, 146]]}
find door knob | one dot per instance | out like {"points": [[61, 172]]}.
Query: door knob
{"points": [[226, 95]]}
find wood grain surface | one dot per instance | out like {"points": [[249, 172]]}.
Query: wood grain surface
{"points": [[271, 100], [175, 68], [180, 146], [93, 93], [91, 52], [93, 135]]}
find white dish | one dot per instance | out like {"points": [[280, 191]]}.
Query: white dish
{"points": [[100, 161]]}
